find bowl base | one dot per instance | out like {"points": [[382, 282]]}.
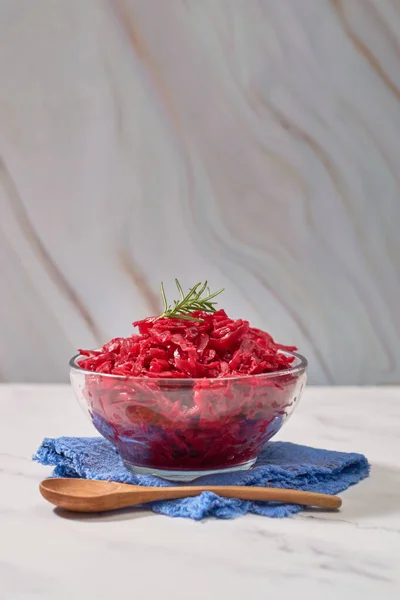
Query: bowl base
{"points": [[172, 475]]}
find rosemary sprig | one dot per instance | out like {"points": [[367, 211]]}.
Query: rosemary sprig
{"points": [[199, 297]]}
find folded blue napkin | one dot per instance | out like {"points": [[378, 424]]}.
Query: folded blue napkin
{"points": [[281, 465]]}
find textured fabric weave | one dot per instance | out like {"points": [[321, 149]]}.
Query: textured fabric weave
{"points": [[281, 464]]}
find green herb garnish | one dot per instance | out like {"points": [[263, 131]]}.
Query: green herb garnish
{"points": [[198, 298]]}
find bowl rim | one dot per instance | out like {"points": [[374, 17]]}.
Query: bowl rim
{"points": [[297, 369]]}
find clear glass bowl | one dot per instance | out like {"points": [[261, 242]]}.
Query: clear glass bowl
{"points": [[181, 429]]}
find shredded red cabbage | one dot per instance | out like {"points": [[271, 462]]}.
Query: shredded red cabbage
{"points": [[213, 417], [217, 346]]}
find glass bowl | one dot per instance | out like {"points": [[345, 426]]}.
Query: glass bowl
{"points": [[181, 429]]}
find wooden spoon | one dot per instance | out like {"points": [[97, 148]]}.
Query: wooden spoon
{"points": [[84, 495]]}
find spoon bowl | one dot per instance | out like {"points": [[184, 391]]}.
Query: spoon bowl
{"points": [[82, 488]]}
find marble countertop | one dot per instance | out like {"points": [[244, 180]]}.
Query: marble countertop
{"points": [[354, 553]]}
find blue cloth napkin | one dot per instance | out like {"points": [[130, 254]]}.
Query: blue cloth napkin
{"points": [[281, 464]]}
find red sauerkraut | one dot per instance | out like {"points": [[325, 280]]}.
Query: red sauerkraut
{"points": [[216, 346], [190, 395]]}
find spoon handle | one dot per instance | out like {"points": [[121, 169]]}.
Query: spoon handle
{"points": [[142, 495]]}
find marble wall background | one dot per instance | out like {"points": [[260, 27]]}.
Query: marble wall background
{"points": [[255, 143]]}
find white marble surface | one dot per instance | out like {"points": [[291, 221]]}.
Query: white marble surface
{"points": [[251, 142], [352, 554]]}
